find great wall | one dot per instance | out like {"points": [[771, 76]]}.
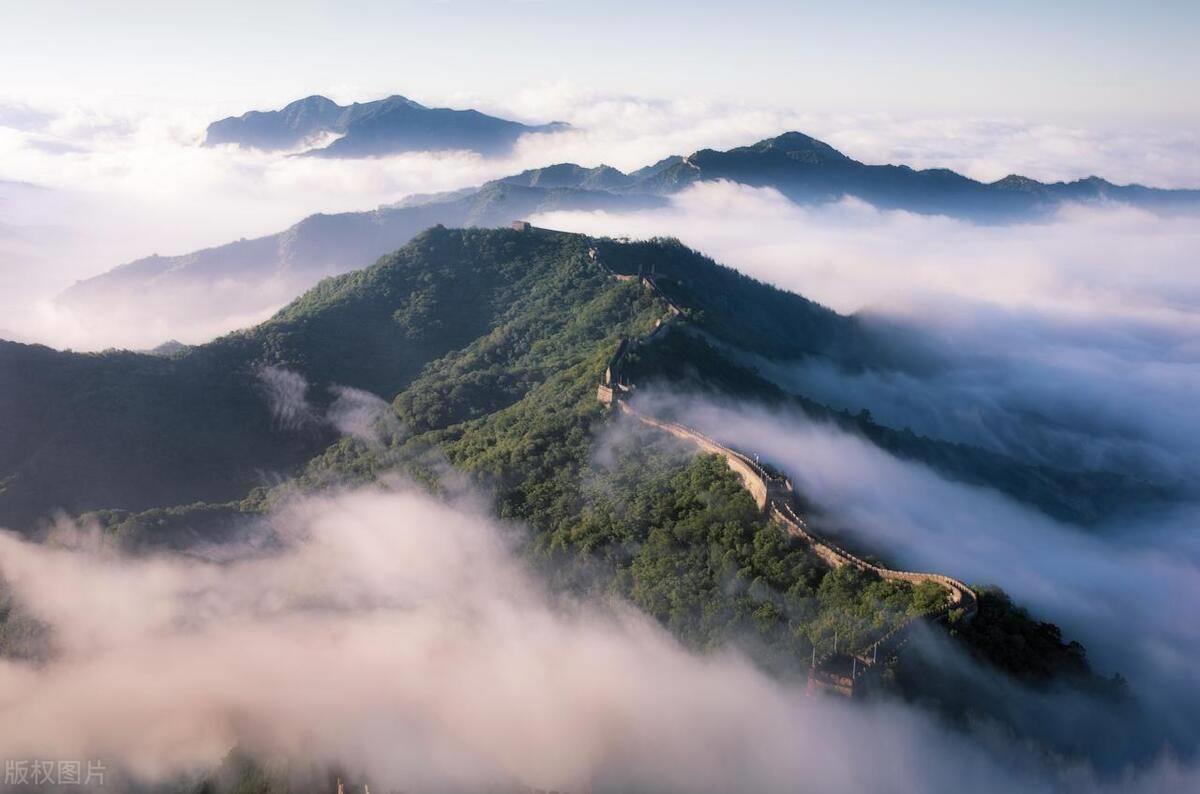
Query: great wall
{"points": [[844, 673], [839, 673]]}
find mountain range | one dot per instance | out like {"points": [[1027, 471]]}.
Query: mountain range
{"points": [[807, 171], [474, 355], [138, 431], [272, 269], [371, 129]]}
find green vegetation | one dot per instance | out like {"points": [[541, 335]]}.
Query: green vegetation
{"points": [[22, 636], [703, 364], [489, 345], [738, 309], [680, 537], [1029, 650], [455, 327], [180, 528], [128, 431]]}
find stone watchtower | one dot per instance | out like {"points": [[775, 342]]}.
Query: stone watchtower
{"points": [[522, 226]]}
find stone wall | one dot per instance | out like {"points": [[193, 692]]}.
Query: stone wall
{"points": [[753, 477], [775, 496]]}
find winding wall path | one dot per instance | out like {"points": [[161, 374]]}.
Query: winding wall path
{"points": [[839, 672]]}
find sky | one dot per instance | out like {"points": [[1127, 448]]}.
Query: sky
{"points": [[1071, 61]]}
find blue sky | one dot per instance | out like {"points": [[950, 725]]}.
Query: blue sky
{"points": [[1079, 62]]}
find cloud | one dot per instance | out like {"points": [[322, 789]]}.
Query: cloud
{"points": [[1070, 342], [399, 637], [1117, 589], [851, 256], [351, 412], [362, 415], [286, 392], [415, 647], [20, 116]]}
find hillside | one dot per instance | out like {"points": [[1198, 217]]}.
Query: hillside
{"points": [[271, 270], [489, 344], [135, 431], [371, 129], [434, 327]]}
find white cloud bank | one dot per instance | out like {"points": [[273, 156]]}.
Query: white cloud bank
{"points": [[1083, 327], [1118, 590], [1070, 342], [399, 637], [1085, 262]]}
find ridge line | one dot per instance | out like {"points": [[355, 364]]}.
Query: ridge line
{"points": [[775, 496]]}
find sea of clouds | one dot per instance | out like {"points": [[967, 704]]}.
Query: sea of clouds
{"points": [[1070, 341], [1118, 588], [400, 638]]}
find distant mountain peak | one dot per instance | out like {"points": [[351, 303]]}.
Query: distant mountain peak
{"points": [[316, 100], [370, 129], [397, 100], [802, 147], [1016, 180], [1020, 184], [602, 177]]}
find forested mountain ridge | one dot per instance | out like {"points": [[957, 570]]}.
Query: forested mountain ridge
{"points": [[316, 247], [138, 431], [452, 327], [807, 171]]}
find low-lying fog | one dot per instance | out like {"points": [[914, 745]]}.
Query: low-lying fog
{"points": [[399, 638], [1123, 588], [1071, 342]]}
